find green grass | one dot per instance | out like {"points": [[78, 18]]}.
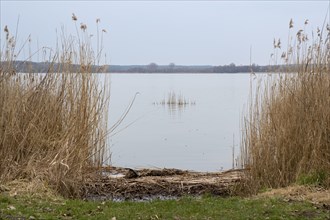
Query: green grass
{"points": [[315, 178], [186, 208]]}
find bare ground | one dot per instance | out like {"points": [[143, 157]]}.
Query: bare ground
{"points": [[145, 184], [123, 184], [316, 195]]}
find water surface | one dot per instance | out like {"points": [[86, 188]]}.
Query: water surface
{"points": [[197, 136]]}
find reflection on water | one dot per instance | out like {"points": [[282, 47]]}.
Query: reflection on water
{"points": [[175, 104], [175, 110]]}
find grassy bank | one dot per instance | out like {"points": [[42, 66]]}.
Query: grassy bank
{"points": [[185, 208]]}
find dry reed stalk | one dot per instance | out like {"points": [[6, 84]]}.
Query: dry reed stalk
{"points": [[287, 127], [52, 126], [175, 100]]}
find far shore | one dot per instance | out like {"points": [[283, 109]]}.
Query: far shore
{"points": [[43, 67]]}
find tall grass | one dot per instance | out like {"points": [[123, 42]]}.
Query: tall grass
{"points": [[287, 128], [175, 100], [52, 126]]}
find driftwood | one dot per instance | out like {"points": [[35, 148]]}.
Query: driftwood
{"points": [[127, 184]]}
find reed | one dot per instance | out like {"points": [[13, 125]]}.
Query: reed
{"points": [[52, 126], [286, 131], [175, 100]]}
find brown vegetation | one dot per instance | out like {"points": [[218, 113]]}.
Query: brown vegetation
{"points": [[316, 195], [146, 184], [173, 100], [287, 130], [53, 125]]}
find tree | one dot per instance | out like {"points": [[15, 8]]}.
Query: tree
{"points": [[171, 65], [152, 67]]}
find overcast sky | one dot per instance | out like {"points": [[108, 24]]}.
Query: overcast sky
{"points": [[182, 32]]}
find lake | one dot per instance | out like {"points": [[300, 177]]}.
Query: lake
{"points": [[198, 135]]}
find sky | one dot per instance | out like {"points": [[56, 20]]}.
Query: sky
{"points": [[163, 32]]}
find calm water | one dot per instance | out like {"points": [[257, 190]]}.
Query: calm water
{"points": [[197, 136]]}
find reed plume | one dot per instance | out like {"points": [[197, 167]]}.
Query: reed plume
{"points": [[286, 134], [53, 126]]}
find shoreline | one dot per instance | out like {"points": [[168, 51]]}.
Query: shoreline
{"points": [[120, 184]]}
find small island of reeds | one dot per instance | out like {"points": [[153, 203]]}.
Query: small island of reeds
{"points": [[172, 99]]}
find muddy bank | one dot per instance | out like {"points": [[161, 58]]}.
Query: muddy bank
{"points": [[145, 184]]}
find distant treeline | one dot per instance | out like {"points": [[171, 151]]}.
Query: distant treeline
{"points": [[186, 69], [44, 67]]}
